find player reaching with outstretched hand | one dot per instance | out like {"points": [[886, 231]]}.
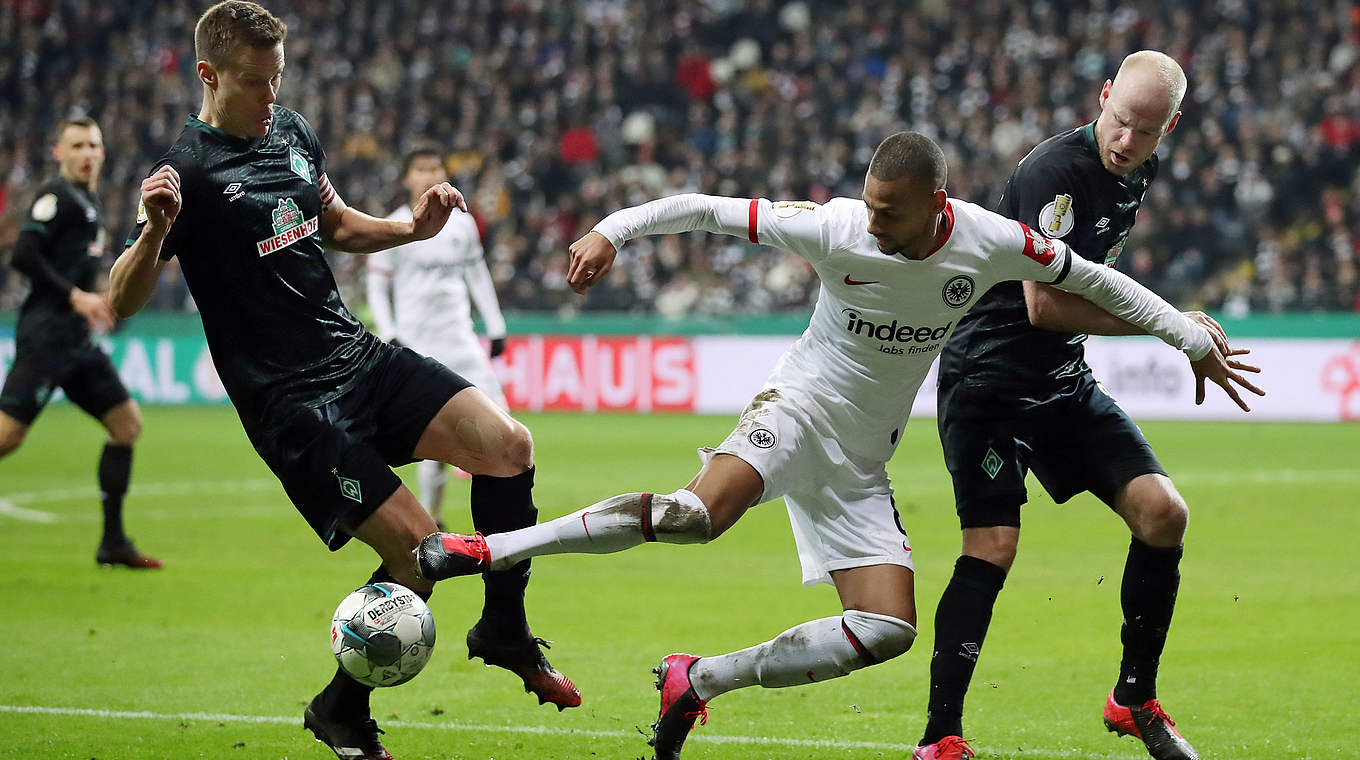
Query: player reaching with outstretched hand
{"points": [[898, 267], [243, 199]]}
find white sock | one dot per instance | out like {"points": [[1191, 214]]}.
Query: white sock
{"points": [[814, 651], [612, 525], [432, 476]]}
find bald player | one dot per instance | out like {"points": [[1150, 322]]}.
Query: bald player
{"points": [[1016, 394]]}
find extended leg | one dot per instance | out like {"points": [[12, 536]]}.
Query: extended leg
{"points": [[878, 624]]}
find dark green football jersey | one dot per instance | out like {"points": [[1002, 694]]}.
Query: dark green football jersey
{"points": [[60, 245], [1062, 190], [248, 240]]}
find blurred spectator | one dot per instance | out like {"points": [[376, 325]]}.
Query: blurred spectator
{"points": [[554, 114]]}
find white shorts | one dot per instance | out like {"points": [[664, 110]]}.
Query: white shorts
{"points": [[468, 359], [840, 506]]}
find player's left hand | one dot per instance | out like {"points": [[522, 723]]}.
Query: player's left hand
{"points": [[1223, 371], [497, 347], [433, 208], [591, 259]]}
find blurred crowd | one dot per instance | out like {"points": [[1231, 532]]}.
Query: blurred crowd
{"points": [[552, 113]]}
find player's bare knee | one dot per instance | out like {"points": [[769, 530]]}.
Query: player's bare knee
{"points": [[996, 546], [126, 433], [1161, 521], [877, 637], [11, 440], [518, 452]]}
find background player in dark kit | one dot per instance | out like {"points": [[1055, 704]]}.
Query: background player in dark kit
{"points": [[59, 248], [242, 198], [1015, 393]]}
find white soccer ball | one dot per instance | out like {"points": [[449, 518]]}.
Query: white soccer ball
{"points": [[382, 634]]}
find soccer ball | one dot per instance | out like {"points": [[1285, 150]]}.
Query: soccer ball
{"points": [[382, 634]]}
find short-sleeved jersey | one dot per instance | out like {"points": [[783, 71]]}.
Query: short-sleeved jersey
{"points": [[64, 227], [249, 243], [1062, 190], [881, 320], [435, 284]]}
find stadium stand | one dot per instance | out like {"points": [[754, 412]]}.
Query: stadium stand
{"points": [[555, 113]]}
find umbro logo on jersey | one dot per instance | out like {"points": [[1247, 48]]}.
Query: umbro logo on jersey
{"points": [[1103, 225], [233, 191], [849, 281]]}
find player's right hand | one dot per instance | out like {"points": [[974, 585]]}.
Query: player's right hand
{"points": [[161, 198], [1224, 372], [591, 259], [95, 308]]}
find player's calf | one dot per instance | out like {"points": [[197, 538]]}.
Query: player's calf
{"points": [[808, 653]]}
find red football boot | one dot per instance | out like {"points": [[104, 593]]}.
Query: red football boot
{"points": [[679, 706], [1152, 725], [948, 748]]}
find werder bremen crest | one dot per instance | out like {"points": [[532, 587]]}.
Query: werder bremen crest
{"points": [[299, 164], [349, 488], [286, 216]]}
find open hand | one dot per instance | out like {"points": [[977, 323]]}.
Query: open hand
{"points": [[1224, 371]]}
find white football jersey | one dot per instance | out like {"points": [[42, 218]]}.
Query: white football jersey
{"points": [[881, 320], [433, 284]]}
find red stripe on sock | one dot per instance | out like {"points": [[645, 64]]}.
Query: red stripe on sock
{"points": [[751, 223], [864, 654], [646, 515]]}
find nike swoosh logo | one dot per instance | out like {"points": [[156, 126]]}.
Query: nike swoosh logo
{"points": [[849, 281]]}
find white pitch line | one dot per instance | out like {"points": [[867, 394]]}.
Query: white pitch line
{"points": [[537, 730], [1265, 477], [145, 489], [8, 509]]}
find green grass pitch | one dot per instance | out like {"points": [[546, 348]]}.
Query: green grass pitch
{"points": [[216, 655]]}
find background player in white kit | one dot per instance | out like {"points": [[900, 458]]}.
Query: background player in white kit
{"points": [[897, 269], [434, 284]]}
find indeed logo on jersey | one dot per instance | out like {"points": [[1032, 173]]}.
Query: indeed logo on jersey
{"points": [[891, 332], [289, 227]]}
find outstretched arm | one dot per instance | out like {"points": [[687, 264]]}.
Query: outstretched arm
{"points": [[137, 269], [352, 231], [593, 255], [1124, 298]]}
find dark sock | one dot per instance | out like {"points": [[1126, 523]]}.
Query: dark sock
{"points": [[1148, 595], [500, 505], [115, 469], [345, 696], [961, 621]]}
